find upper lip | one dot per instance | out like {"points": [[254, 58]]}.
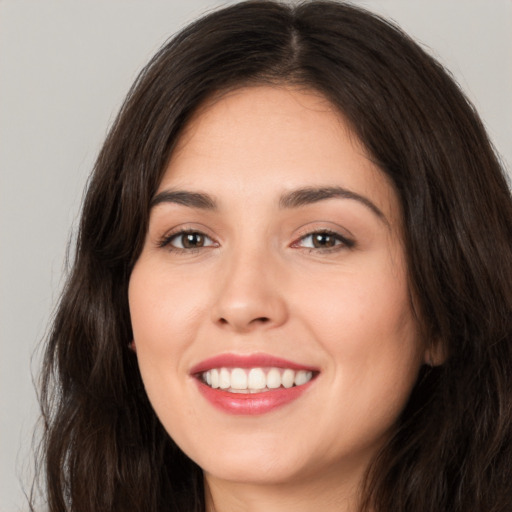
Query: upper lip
{"points": [[248, 361]]}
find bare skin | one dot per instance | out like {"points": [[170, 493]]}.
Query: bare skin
{"points": [[262, 266]]}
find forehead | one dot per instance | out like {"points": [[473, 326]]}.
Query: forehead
{"points": [[271, 139], [255, 116]]}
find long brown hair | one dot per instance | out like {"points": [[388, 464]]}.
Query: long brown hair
{"points": [[104, 448]]}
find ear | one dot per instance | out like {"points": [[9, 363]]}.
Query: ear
{"points": [[132, 346], [435, 353]]}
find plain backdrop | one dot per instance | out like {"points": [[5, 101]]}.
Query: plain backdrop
{"points": [[65, 67]]}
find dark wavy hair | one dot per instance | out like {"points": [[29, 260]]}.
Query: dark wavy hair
{"points": [[105, 450]]}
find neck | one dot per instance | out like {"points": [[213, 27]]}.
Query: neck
{"points": [[330, 493]]}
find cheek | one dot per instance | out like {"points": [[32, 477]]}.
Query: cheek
{"points": [[375, 352], [365, 305], [162, 321], [368, 334], [158, 330], [365, 323], [163, 311]]}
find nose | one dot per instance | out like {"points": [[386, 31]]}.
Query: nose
{"points": [[249, 294]]}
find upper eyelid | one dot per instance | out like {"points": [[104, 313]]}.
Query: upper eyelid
{"points": [[324, 227], [185, 228], [345, 240], [166, 239]]}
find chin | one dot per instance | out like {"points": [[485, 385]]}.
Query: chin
{"points": [[256, 466]]}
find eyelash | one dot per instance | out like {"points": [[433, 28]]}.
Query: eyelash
{"points": [[344, 242], [341, 242], [166, 241]]}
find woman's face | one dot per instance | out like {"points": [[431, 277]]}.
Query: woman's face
{"points": [[270, 305]]}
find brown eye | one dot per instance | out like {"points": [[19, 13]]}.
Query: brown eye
{"points": [[192, 240], [187, 240], [323, 240]]}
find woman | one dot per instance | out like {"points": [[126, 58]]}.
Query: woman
{"points": [[292, 282]]}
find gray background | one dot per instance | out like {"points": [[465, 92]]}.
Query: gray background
{"points": [[65, 67]]}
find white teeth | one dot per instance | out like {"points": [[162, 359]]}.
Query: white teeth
{"points": [[288, 378], [273, 378], [224, 379], [302, 376], [257, 379], [214, 377], [239, 380]]}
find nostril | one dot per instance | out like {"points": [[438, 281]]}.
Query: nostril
{"points": [[261, 319], [257, 320]]}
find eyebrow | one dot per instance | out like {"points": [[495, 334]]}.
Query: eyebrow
{"points": [[185, 198], [294, 199], [310, 195]]}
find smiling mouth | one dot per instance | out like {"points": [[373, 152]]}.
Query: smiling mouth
{"points": [[255, 380]]}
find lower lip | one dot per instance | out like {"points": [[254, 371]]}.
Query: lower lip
{"points": [[251, 404]]}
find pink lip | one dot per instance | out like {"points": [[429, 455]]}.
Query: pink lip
{"points": [[249, 403], [247, 361]]}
